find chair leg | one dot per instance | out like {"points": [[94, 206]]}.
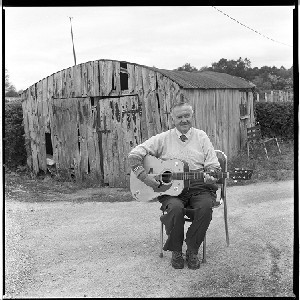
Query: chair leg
{"points": [[264, 145], [161, 239], [248, 149], [204, 250], [278, 145]]}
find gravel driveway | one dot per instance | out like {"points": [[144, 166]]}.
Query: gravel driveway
{"points": [[86, 248]]}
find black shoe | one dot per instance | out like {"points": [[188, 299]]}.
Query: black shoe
{"points": [[177, 260], [192, 260]]}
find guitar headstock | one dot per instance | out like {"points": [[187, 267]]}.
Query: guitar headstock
{"points": [[241, 174]]}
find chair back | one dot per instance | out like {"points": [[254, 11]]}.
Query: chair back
{"points": [[254, 133]]}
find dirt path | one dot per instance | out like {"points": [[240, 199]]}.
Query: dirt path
{"points": [[77, 247]]}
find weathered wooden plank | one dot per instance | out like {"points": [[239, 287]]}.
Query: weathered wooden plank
{"points": [[109, 140], [167, 103], [33, 128], [161, 99], [140, 91], [64, 78], [53, 126], [95, 90], [90, 78], [60, 125], [106, 76], [77, 81], [73, 139], [70, 83], [235, 120], [41, 146], [84, 80], [57, 84], [117, 143], [103, 138], [83, 108], [99, 125], [91, 143], [127, 131], [147, 99], [45, 104], [116, 75]]}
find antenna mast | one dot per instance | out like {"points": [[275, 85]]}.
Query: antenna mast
{"points": [[73, 41]]}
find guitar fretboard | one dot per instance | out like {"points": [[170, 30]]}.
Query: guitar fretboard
{"points": [[195, 175]]}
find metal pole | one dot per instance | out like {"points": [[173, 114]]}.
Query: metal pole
{"points": [[73, 41]]}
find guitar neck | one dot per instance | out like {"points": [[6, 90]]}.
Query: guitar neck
{"points": [[198, 175]]}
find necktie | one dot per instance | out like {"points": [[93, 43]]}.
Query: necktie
{"points": [[183, 138]]}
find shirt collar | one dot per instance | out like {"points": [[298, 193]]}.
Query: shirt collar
{"points": [[188, 134]]}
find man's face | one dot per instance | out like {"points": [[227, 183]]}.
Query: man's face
{"points": [[182, 117]]}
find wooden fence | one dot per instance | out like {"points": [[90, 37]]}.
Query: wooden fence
{"points": [[276, 96]]}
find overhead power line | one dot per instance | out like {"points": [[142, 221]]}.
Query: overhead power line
{"points": [[251, 28]]}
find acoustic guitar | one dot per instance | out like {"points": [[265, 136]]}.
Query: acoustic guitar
{"points": [[174, 176]]}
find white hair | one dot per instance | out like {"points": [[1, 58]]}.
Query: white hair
{"points": [[179, 104]]}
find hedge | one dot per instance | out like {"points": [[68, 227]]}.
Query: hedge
{"points": [[13, 141], [275, 119]]}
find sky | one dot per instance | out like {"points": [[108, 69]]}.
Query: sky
{"points": [[38, 39]]}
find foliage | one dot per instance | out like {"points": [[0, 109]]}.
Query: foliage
{"points": [[10, 90], [14, 142], [186, 67], [275, 119]]}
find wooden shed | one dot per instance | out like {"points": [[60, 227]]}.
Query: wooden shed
{"points": [[89, 116]]}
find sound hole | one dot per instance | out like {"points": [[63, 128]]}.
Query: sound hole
{"points": [[166, 177]]}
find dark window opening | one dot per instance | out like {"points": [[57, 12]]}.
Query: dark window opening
{"points": [[92, 101], [49, 149], [123, 65], [124, 81], [243, 110]]}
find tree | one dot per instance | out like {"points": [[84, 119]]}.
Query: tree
{"points": [[7, 83], [10, 90], [187, 67], [238, 67]]}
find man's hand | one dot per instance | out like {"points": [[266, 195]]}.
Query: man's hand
{"points": [[209, 179], [151, 181]]}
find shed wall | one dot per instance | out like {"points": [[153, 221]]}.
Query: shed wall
{"points": [[217, 112]]}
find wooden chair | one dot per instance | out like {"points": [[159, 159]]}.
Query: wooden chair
{"points": [[254, 137], [222, 193]]}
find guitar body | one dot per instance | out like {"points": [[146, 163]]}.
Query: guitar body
{"points": [[141, 192]]}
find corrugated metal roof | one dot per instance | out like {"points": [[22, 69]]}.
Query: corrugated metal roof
{"points": [[206, 80]]}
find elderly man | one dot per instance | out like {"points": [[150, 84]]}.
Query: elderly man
{"points": [[193, 146]]}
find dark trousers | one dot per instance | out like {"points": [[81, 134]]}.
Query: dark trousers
{"points": [[196, 205]]}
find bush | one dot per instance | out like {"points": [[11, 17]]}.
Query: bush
{"points": [[275, 118], [14, 142]]}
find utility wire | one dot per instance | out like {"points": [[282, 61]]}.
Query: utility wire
{"points": [[250, 28]]}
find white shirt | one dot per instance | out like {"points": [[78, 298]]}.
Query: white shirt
{"points": [[179, 134]]}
